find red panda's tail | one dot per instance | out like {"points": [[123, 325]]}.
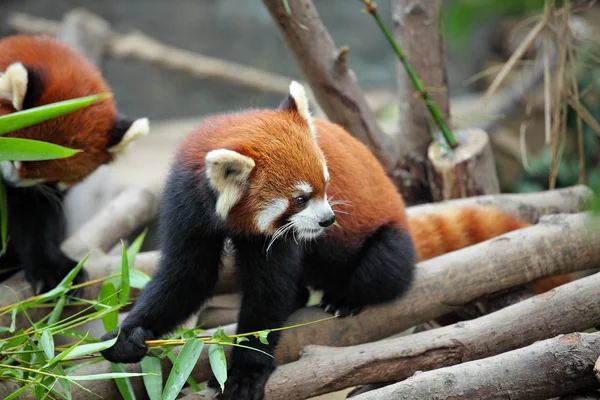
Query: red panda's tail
{"points": [[435, 234]]}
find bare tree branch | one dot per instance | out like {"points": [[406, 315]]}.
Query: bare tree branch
{"points": [[542, 370], [325, 68], [570, 308], [86, 32], [117, 220], [528, 206]]}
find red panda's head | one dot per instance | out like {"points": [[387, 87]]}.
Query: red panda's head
{"points": [[39, 70], [268, 171]]}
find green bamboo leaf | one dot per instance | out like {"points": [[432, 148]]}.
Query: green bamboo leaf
{"points": [[32, 116], [47, 344], [135, 247], [182, 367], [218, 363], [108, 297], [3, 217], [241, 339], [125, 285], [16, 394], [123, 384], [64, 383], [99, 377], [16, 149], [57, 311], [152, 383], [221, 336], [262, 336], [13, 319], [84, 350]]}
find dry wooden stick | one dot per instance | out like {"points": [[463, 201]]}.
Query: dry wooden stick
{"points": [[540, 371], [325, 68], [569, 308]]}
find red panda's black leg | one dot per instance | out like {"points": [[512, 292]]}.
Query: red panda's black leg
{"points": [[382, 272], [191, 245], [36, 228], [270, 295]]}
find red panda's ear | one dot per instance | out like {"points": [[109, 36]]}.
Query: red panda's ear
{"points": [[13, 84], [125, 131], [228, 173], [297, 101]]}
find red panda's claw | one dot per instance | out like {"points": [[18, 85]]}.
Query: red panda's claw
{"points": [[340, 310]]}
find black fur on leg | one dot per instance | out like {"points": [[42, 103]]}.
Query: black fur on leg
{"points": [[271, 292], [36, 229], [191, 243], [382, 271]]}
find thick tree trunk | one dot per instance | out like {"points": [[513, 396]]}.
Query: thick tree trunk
{"points": [[570, 308], [545, 369], [415, 25], [325, 68]]}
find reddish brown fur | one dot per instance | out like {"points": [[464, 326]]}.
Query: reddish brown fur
{"points": [[66, 74], [454, 229]]}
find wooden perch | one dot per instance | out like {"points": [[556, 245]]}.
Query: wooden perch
{"points": [[325, 68], [545, 369], [415, 28], [528, 206], [86, 32], [468, 170], [570, 308]]}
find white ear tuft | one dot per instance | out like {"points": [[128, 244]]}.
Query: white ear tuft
{"points": [[13, 84], [227, 172], [139, 128], [299, 95]]}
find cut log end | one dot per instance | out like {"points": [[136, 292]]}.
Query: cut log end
{"points": [[468, 170]]}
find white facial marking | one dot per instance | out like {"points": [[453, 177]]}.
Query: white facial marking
{"points": [[273, 210], [13, 84], [139, 128], [306, 222], [325, 173], [227, 172], [304, 187], [10, 172], [299, 94]]}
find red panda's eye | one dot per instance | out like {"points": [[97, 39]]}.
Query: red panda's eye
{"points": [[301, 201]]}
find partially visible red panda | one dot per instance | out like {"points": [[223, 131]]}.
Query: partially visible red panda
{"points": [[39, 70], [275, 181]]}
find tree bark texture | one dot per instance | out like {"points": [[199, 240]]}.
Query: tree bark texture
{"points": [[559, 244], [416, 28], [570, 308], [325, 68], [465, 171], [542, 370]]}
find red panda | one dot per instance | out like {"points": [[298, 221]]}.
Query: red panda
{"points": [[275, 181], [39, 70]]}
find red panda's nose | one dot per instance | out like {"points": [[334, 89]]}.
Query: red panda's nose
{"points": [[327, 222]]}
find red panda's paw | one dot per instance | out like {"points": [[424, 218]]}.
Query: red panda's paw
{"points": [[339, 309], [130, 347], [246, 383]]}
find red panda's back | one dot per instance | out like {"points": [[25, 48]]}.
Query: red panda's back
{"points": [[358, 179], [57, 72]]}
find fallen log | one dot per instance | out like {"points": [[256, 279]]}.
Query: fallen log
{"points": [[542, 370], [570, 308]]}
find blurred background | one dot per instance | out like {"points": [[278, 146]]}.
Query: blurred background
{"points": [[479, 37]]}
